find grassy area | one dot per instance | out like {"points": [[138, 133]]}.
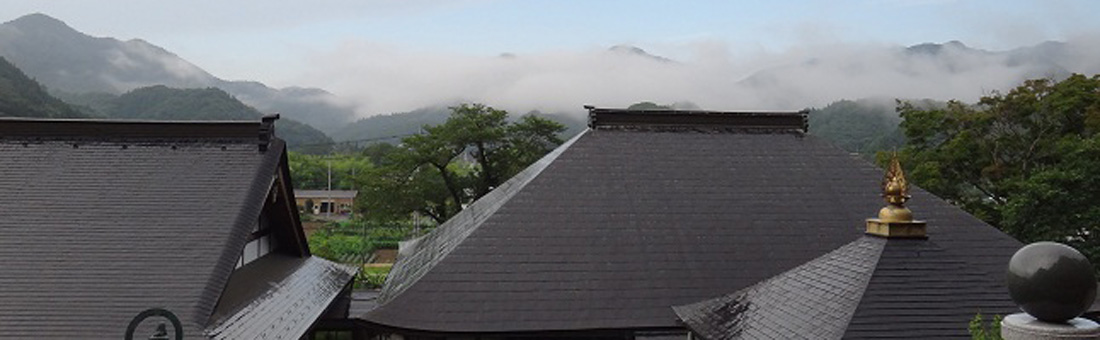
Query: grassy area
{"points": [[352, 241], [373, 275]]}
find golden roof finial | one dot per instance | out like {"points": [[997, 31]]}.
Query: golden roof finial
{"points": [[895, 188], [895, 220]]}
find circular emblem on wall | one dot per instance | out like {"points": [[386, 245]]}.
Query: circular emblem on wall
{"points": [[162, 329]]}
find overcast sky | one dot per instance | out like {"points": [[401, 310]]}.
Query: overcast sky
{"points": [[359, 48]]}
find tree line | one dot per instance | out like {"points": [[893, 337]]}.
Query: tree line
{"points": [[1025, 161], [437, 173]]}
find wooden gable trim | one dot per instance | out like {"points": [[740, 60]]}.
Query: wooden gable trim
{"points": [[282, 211], [281, 214]]}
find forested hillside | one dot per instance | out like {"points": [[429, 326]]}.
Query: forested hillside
{"points": [[21, 96], [67, 60], [864, 126], [164, 103]]}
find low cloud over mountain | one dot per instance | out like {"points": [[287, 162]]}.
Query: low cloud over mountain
{"points": [[371, 78], [385, 78]]}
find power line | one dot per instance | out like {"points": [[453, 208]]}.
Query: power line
{"points": [[357, 141]]}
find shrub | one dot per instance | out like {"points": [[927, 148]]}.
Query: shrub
{"points": [[979, 330]]}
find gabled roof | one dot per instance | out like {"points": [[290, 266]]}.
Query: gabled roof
{"points": [[627, 220], [100, 220]]}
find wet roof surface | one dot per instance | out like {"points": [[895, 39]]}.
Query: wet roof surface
{"points": [[871, 288], [278, 297], [619, 226]]}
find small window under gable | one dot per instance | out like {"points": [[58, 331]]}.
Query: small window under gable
{"points": [[261, 241]]}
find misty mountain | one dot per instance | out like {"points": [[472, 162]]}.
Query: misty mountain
{"points": [[953, 65], [21, 96], [637, 51], [67, 60], [391, 127], [163, 103]]}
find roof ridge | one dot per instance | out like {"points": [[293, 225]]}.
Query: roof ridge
{"points": [[715, 121], [112, 129], [436, 245]]}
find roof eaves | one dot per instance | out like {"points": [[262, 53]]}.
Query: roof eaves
{"points": [[291, 306]]}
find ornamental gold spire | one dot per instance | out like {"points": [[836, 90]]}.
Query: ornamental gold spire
{"points": [[895, 220]]}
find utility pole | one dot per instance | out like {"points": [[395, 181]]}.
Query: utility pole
{"points": [[328, 212]]}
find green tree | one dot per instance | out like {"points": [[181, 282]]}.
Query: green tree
{"points": [[312, 171], [437, 173], [1024, 161]]}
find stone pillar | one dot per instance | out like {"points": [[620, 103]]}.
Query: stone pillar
{"points": [[1021, 326]]}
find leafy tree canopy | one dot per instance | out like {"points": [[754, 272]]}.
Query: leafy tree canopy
{"points": [[1025, 161], [438, 173], [313, 171]]}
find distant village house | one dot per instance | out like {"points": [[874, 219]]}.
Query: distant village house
{"points": [[325, 201]]}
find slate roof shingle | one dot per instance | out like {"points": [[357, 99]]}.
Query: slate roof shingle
{"points": [[289, 295], [871, 288], [622, 223], [100, 220], [813, 301]]}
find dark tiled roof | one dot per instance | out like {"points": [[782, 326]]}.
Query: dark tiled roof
{"points": [[443, 240], [102, 220], [613, 229], [363, 301], [812, 301], [924, 290], [279, 297], [872, 288]]}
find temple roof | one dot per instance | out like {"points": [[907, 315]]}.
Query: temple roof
{"points": [[623, 222]]}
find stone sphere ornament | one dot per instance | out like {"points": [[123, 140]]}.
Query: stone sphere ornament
{"points": [[1051, 281]]}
